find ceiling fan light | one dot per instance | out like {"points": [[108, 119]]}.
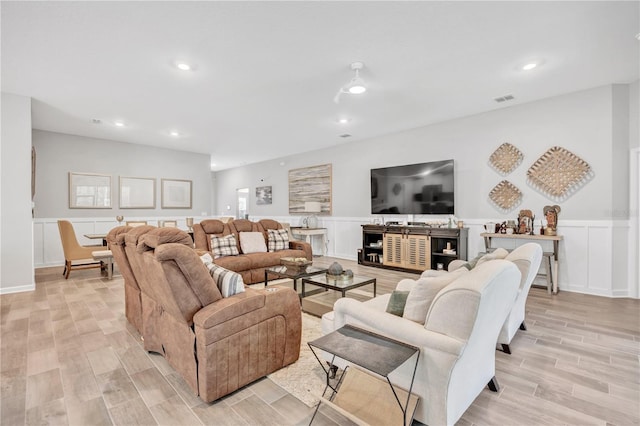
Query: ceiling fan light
{"points": [[357, 88]]}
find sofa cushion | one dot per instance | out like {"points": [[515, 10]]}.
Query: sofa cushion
{"points": [[224, 246], [278, 239], [252, 242], [422, 294], [498, 253], [238, 263], [228, 282], [397, 301]]}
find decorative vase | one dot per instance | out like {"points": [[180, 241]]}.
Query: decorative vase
{"points": [[335, 269]]}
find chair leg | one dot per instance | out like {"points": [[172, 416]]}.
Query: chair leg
{"points": [[493, 385], [523, 326], [506, 349], [65, 268], [68, 269]]}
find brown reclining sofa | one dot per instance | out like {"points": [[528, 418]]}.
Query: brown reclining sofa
{"points": [[217, 344], [252, 265]]}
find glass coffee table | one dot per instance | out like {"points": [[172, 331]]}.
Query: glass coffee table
{"points": [[293, 272], [341, 285]]}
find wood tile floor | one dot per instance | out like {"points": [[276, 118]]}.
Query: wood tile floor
{"points": [[68, 356]]}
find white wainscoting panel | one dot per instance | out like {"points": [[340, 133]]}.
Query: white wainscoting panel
{"points": [[599, 261], [587, 261]]}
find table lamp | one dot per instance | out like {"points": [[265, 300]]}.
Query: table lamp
{"points": [[312, 207]]}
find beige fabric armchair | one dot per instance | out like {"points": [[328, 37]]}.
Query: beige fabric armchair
{"points": [[527, 258], [75, 255], [457, 341]]}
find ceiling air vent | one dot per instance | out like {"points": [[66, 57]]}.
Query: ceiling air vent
{"points": [[503, 98], [346, 135]]}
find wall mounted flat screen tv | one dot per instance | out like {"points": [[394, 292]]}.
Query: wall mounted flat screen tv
{"points": [[425, 188]]}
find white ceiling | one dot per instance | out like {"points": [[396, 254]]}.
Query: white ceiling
{"points": [[267, 72]]}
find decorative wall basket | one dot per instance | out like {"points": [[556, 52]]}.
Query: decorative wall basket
{"points": [[559, 173], [506, 196], [505, 159]]}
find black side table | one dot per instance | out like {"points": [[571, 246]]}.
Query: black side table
{"points": [[372, 352]]}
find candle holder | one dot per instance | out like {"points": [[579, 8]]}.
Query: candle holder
{"points": [[119, 219], [190, 224]]}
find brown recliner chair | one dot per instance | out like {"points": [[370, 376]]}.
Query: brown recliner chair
{"points": [[150, 309], [237, 339], [132, 296]]}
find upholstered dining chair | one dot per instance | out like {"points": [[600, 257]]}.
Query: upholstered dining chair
{"points": [[75, 255], [168, 224], [134, 223]]}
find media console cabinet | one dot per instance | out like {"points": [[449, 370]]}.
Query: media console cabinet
{"points": [[412, 248]]}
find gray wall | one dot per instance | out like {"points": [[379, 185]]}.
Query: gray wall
{"points": [[58, 154], [16, 230], [581, 122]]}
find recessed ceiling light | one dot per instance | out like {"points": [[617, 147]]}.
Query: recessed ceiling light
{"points": [[638, 36], [119, 124], [183, 66], [343, 120], [529, 66], [174, 133]]}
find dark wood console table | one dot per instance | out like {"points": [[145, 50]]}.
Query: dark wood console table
{"points": [[411, 248]]}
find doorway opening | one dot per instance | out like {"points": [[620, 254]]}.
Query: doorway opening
{"points": [[242, 197]]}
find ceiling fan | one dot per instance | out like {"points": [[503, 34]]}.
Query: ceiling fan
{"points": [[355, 86]]}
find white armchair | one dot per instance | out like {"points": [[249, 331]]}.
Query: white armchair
{"points": [[527, 258], [457, 341]]}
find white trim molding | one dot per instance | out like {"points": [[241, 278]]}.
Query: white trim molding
{"points": [[587, 261]]}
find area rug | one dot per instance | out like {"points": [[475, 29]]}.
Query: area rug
{"points": [[305, 378]]}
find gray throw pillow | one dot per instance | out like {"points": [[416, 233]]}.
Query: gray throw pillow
{"points": [[396, 302]]}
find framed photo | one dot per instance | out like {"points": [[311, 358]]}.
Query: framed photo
{"points": [[89, 191], [176, 194], [137, 193], [263, 195]]}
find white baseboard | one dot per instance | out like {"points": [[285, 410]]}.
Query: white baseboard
{"points": [[17, 289]]}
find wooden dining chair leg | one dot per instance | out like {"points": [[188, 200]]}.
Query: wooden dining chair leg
{"points": [[68, 269]]}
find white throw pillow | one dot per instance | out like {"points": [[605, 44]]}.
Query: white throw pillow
{"points": [[498, 253], [422, 294], [252, 242]]}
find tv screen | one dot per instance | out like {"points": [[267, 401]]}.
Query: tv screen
{"points": [[425, 188]]}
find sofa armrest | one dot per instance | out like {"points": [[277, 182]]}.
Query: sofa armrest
{"points": [[228, 308], [233, 314], [304, 246], [393, 326]]}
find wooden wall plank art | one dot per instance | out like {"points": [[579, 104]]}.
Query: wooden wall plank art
{"points": [[310, 184]]}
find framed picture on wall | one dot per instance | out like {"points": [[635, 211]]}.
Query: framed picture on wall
{"points": [[89, 191], [137, 193], [176, 193], [263, 195], [310, 184]]}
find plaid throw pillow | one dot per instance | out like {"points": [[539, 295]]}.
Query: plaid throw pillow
{"points": [[224, 246], [278, 239], [228, 282]]}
